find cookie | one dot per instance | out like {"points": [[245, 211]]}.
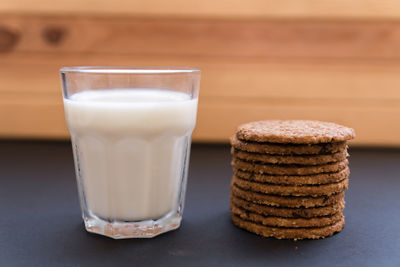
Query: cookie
{"points": [[288, 233], [288, 149], [286, 222], [289, 169], [287, 201], [294, 132], [290, 159], [287, 212], [323, 178], [287, 190]]}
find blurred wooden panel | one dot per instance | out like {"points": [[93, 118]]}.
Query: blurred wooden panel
{"points": [[205, 37], [31, 106], [43, 117], [344, 81], [208, 8], [374, 125], [31, 116], [343, 71]]}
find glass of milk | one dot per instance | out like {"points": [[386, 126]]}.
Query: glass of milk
{"points": [[131, 134]]}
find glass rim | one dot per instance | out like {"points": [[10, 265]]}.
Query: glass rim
{"points": [[129, 70]]}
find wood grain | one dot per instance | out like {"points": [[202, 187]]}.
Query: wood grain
{"points": [[232, 92], [334, 70], [318, 80], [43, 117], [371, 9], [205, 37]]}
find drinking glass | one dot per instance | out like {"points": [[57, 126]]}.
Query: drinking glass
{"points": [[131, 134]]}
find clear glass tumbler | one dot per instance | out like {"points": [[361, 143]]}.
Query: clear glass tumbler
{"points": [[131, 134]]}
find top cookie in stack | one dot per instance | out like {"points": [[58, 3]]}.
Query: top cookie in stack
{"points": [[289, 178]]}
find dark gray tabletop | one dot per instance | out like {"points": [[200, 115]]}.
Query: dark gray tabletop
{"points": [[41, 223]]}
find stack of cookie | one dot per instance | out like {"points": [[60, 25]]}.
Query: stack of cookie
{"points": [[289, 178]]}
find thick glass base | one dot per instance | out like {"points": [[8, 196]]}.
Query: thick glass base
{"points": [[142, 229]]}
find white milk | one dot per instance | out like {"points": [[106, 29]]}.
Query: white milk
{"points": [[130, 147]]}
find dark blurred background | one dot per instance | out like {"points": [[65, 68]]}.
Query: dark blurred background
{"points": [[304, 59]]}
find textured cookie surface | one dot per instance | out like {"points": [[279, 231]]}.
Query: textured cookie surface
{"points": [[287, 190], [288, 233], [287, 149], [294, 132], [286, 222], [286, 201], [287, 212], [289, 169], [323, 178], [290, 159]]}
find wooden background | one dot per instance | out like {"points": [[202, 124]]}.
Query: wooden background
{"points": [[328, 60]]}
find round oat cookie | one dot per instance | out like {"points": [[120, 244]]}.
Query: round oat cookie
{"points": [[289, 233], [296, 190], [290, 159], [294, 132], [286, 201], [286, 222], [289, 169], [323, 178], [287, 212], [288, 149]]}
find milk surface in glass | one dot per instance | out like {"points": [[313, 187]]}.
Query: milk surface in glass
{"points": [[129, 147]]}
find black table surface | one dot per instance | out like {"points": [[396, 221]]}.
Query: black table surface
{"points": [[41, 225]]}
